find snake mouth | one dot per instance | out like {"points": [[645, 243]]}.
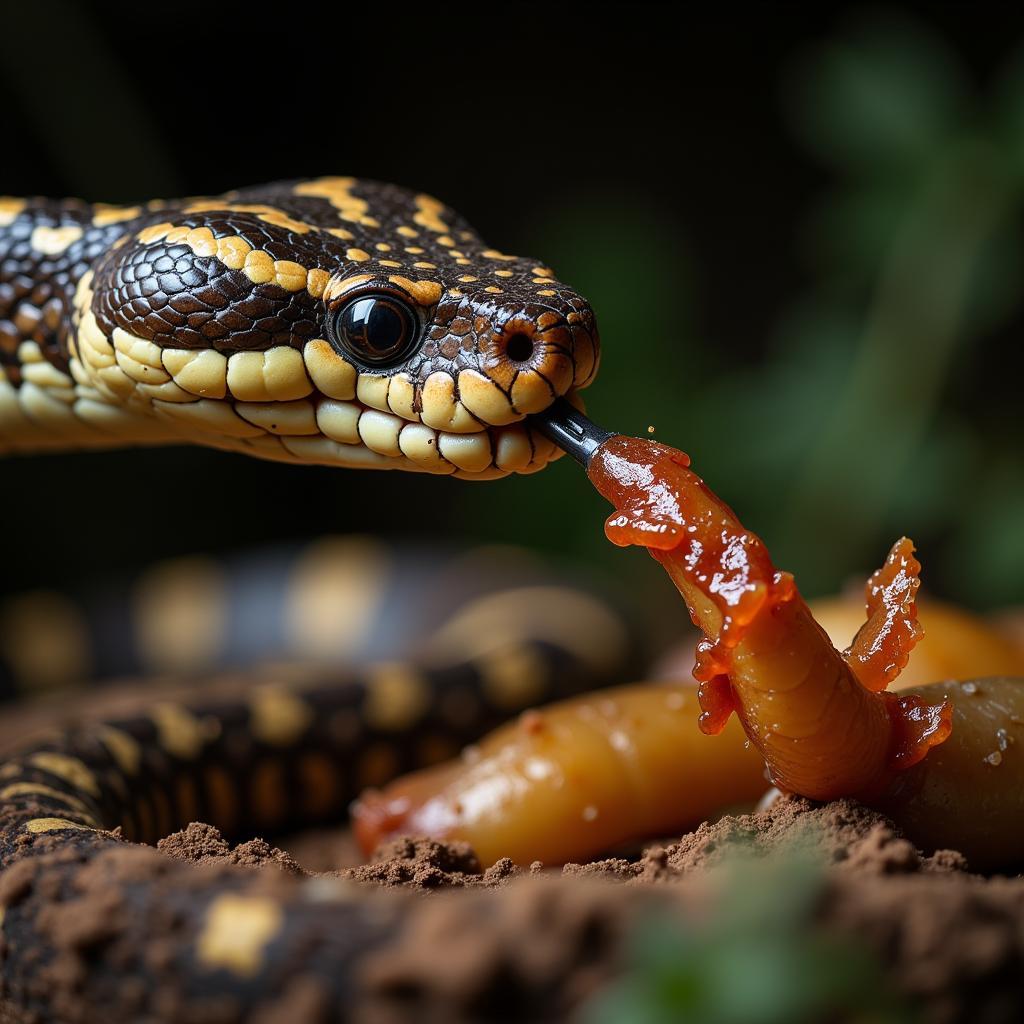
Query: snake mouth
{"points": [[357, 436]]}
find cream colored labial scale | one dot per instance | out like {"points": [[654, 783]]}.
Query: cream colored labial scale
{"points": [[282, 404]]}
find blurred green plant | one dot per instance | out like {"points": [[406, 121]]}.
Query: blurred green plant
{"points": [[918, 246], [886, 402], [756, 960]]}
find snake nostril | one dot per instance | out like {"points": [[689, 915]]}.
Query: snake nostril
{"points": [[519, 347]]}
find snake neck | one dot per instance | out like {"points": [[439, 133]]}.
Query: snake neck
{"points": [[46, 250]]}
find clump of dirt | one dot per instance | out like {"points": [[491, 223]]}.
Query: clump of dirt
{"points": [[427, 864], [203, 844], [521, 943], [842, 834]]}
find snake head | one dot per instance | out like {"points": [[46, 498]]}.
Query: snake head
{"points": [[332, 321]]}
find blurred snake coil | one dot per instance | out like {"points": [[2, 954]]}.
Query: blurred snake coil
{"points": [[333, 321]]}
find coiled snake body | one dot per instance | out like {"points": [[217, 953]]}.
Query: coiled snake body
{"points": [[327, 321]]}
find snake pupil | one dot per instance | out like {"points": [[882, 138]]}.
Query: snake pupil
{"points": [[376, 329]]}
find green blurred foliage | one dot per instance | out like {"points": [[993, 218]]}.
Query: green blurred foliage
{"points": [[885, 403], [757, 960]]}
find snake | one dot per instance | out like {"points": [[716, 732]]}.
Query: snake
{"points": [[333, 321]]}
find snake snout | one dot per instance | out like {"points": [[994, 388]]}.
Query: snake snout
{"points": [[540, 354]]}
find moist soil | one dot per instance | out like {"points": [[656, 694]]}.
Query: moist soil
{"points": [[948, 943]]}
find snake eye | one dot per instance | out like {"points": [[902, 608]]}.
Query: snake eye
{"points": [[378, 330]]}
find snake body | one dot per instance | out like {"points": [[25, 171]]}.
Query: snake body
{"points": [[330, 321]]}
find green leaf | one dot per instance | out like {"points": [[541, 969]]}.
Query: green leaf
{"points": [[881, 99]]}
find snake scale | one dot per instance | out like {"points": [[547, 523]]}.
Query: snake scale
{"points": [[333, 321]]}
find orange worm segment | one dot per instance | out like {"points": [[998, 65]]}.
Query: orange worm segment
{"points": [[574, 780], [957, 644], [821, 730]]}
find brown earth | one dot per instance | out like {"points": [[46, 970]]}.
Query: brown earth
{"points": [[949, 942]]}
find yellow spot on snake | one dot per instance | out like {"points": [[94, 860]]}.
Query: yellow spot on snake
{"points": [[124, 749], [424, 265], [236, 933], [289, 275], [339, 286], [54, 824], [338, 192], [546, 291], [513, 677], [395, 697], [390, 263], [278, 717], [316, 282], [491, 288], [236, 254], [70, 769], [9, 209], [426, 293], [357, 255], [267, 214], [493, 254], [406, 232], [105, 214], [38, 789], [154, 232], [428, 214], [179, 731], [53, 241]]}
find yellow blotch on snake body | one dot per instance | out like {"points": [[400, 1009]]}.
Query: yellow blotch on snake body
{"points": [[236, 933], [278, 717], [68, 768], [37, 825]]}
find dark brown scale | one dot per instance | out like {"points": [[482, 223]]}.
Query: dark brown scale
{"points": [[170, 296], [36, 290]]}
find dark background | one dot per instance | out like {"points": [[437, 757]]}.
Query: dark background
{"points": [[800, 231]]}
